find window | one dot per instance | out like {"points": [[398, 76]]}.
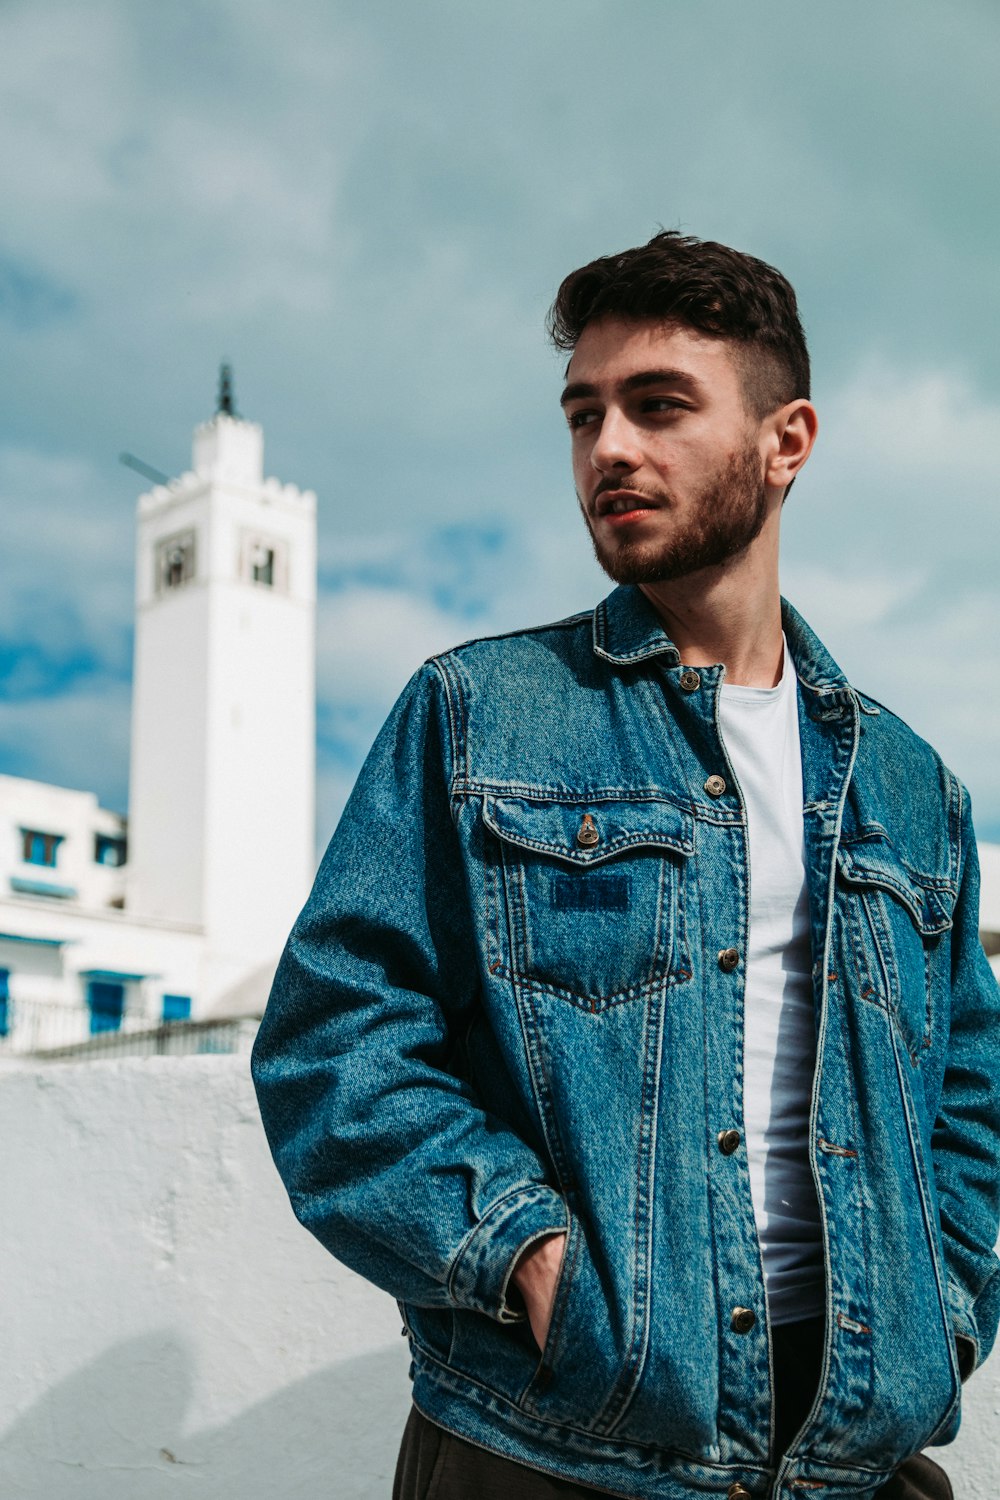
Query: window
{"points": [[176, 1008], [174, 561], [110, 849], [4, 1002], [262, 565], [264, 561], [39, 848], [106, 999]]}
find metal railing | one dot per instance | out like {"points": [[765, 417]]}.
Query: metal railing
{"points": [[46, 1030]]}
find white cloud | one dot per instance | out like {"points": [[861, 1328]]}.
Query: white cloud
{"points": [[931, 659], [69, 563], [902, 482], [167, 167], [370, 641], [892, 556], [65, 78], [77, 738], [862, 597], [373, 636], [928, 429]]}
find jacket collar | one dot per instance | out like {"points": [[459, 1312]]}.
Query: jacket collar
{"points": [[814, 665], [627, 630]]}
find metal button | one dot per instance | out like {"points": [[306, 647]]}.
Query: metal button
{"points": [[729, 959], [738, 1492], [715, 786], [690, 681], [742, 1320], [729, 1141], [587, 834]]}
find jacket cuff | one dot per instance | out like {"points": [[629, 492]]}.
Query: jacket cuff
{"points": [[481, 1274]]}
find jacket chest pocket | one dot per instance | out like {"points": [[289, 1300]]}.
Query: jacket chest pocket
{"points": [[897, 921], [590, 895]]}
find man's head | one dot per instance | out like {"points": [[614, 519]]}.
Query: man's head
{"points": [[687, 400], [701, 285]]}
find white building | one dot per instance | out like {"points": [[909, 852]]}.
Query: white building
{"points": [[182, 911]]}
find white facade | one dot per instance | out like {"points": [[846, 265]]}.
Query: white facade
{"points": [[59, 845], [66, 943], [183, 909], [221, 817]]}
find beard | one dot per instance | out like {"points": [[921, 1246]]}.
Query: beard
{"points": [[725, 516]]}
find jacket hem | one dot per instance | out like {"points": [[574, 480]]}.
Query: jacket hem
{"points": [[633, 1471]]}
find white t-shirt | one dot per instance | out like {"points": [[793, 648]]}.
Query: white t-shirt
{"points": [[760, 729]]}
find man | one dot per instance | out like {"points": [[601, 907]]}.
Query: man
{"points": [[637, 1035]]}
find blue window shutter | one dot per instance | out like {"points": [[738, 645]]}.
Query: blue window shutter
{"points": [[39, 848], [107, 1004], [4, 1002], [177, 1007]]}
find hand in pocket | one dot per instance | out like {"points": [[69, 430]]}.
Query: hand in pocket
{"points": [[536, 1276]]}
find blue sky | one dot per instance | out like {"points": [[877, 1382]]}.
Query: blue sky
{"points": [[367, 209]]}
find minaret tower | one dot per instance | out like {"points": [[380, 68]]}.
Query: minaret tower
{"points": [[221, 829]]}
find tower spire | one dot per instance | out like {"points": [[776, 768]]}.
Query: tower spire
{"points": [[226, 404]]}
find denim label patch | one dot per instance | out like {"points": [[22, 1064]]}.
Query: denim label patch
{"points": [[596, 890]]}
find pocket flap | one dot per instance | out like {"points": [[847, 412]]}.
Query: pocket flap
{"points": [[874, 862], [584, 833]]}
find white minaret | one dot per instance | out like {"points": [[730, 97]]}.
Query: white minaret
{"points": [[221, 829]]}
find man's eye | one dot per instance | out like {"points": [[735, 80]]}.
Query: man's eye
{"points": [[662, 403], [577, 419]]}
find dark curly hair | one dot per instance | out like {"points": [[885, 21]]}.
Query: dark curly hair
{"points": [[698, 284]]}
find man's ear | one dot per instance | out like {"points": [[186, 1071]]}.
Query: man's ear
{"points": [[790, 434]]}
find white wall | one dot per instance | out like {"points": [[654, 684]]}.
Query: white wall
{"points": [[170, 1330]]}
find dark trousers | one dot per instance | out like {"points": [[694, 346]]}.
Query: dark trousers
{"points": [[436, 1465]]}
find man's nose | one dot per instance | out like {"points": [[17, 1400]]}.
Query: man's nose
{"points": [[616, 446]]}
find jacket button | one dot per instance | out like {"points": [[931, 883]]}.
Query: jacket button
{"points": [[738, 1492], [742, 1320], [715, 786], [587, 834], [729, 959], [729, 1141], [690, 681]]}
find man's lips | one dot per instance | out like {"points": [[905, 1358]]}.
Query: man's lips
{"points": [[622, 502]]}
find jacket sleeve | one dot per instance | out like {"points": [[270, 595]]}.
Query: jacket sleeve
{"points": [[387, 1156], [966, 1142]]}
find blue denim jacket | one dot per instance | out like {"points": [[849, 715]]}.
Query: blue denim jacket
{"points": [[502, 1013]]}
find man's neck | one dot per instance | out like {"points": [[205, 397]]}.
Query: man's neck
{"points": [[728, 615]]}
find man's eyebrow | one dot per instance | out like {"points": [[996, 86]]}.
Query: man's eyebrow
{"points": [[577, 392], [681, 379]]}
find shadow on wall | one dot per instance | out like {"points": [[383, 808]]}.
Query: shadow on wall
{"points": [[118, 1429]]}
